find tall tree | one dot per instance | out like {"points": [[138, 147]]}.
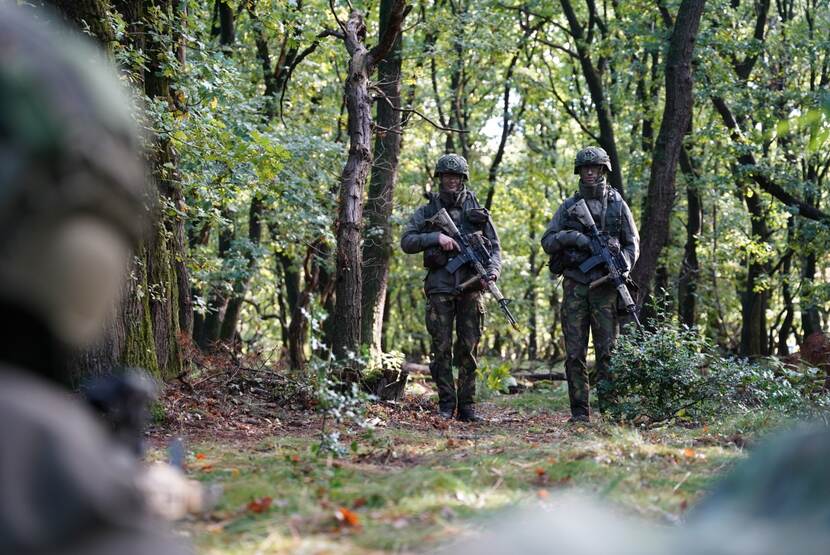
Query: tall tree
{"points": [[377, 236], [145, 330], [583, 37], [348, 288], [677, 114]]}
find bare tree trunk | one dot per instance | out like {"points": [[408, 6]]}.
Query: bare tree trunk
{"points": [[88, 15], [218, 299], [240, 286], [532, 292], [298, 328], [676, 119], [786, 329], [377, 236], [348, 287]]}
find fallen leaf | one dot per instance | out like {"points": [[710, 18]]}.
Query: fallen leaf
{"points": [[359, 502], [689, 453], [542, 494], [347, 517], [540, 471], [295, 458], [201, 456], [234, 472], [260, 505], [207, 469]]}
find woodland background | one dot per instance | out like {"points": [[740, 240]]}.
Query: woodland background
{"points": [[280, 220]]}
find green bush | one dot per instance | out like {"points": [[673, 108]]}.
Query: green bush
{"points": [[672, 371]]}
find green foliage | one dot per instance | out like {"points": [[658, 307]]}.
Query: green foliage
{"points": [[494, 377], [672, 371], [234, 144], [340, 404], [378, 361]]}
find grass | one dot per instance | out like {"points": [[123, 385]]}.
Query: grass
{"points": [[415, 483]]}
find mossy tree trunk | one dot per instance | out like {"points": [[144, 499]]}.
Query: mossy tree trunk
{"points": [[144, 331]]}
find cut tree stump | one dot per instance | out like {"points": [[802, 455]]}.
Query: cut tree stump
{"points": [[387, 385]]}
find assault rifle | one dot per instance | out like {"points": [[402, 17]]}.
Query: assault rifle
{"points": [[474, 252], [601, 254]]}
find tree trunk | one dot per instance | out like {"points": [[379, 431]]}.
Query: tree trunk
{"points": [[676, 119], [754, 300], [145, 328], [240, 286], [348, 286], [89, 15], [298, 328], [377, 241], [218, 300], [690, 268], [786, 329]]}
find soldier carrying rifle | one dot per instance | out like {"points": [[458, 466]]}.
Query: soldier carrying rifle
{"points": [[582, 253], [462, 257]]}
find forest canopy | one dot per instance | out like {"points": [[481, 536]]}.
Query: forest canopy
{"points": [[246, 106]]}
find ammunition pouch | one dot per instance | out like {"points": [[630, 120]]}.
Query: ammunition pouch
{"points": [[434, 258], [566, 259], [478, 216]]}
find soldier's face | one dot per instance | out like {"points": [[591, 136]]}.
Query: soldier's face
{"points": [[590, 174], [451, 182]]}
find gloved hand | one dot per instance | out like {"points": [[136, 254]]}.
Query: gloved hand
{"points": [[571, 238], [614, 245]]}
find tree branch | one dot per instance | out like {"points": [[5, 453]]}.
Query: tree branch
{"points": [[396, 16], [747, 160], [422, 116]]}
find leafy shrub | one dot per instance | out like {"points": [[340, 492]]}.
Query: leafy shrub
{"points": [[340, 403], [494, 378], [673, 372]]}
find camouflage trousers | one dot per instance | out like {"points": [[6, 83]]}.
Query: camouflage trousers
{"points": [[583, 308], [466, 313]]}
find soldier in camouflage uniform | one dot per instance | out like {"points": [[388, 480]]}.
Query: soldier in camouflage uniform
{"points": [[447, 306], [72, 207], [565, 240]]}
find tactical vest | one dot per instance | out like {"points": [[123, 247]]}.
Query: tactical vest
{"points": [[469, 217], [613, 221], [612, 224]]}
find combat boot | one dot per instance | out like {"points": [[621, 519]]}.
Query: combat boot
{"points": [[467, 413], [446, 411]]}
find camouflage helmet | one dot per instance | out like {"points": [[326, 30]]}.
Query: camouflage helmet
{"points": [[73, 196], [592, 156], [452, 163]]}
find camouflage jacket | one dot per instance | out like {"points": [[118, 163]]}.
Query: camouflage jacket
{"points": [[419, 235], [612, 216]]}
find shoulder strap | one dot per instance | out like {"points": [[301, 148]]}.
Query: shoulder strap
{"points": [[432, 205]]}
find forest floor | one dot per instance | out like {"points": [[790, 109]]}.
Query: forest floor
{"points": [[415, 482]]}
